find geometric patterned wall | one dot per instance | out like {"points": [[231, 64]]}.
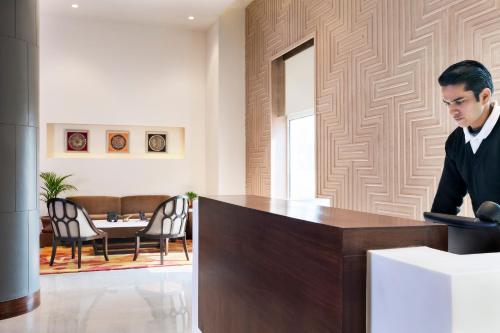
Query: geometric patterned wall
{"points": [[380, 122]]}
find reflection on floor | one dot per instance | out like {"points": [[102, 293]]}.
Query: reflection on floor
{"points": [[136, 300]]}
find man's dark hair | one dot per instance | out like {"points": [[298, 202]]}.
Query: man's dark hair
{"points": [[472, 73]]}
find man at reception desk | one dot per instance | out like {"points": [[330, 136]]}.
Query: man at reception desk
{"points": [[472, 162]]}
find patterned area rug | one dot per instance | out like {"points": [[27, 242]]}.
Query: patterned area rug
{"points": [[147, 258]]}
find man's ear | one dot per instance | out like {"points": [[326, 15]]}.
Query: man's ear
{"points": [[485, 95]]}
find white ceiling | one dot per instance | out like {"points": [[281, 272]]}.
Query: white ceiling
{"points": [[150, 12]]}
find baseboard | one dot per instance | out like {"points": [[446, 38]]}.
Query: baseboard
{"points": [[19, 306]]}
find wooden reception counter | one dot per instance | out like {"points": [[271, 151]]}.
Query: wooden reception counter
{"points": [[269, 265]]}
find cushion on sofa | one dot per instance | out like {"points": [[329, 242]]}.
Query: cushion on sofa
{"points": [[146, 203], [136, 216], [98, 216], [98, 204]]}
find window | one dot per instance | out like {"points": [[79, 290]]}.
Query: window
{"points": [[293, 141], [301, 159], [299, 110]]}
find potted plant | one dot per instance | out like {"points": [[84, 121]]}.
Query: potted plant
{"points": [[191, 196], [53, 185]]}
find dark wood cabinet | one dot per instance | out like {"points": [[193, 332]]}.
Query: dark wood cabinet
{"points": [[189, 226], [276, 266]]}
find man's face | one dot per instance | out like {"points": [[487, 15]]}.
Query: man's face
{"points": [[462, 105]]}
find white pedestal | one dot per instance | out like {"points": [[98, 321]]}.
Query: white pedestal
{"points": [[417, 290]]}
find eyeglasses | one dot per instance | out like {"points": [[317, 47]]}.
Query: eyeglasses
{"points": [[459, 101]]}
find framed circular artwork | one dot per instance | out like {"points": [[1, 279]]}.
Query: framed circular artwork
{"points": [[156, 142], [118, 141], [77, 140]]}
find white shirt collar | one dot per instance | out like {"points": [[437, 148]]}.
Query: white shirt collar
{"points": [[475, 141]]}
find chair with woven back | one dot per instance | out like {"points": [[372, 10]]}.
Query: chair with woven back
{"points": [[168, 222], [72, 225]]}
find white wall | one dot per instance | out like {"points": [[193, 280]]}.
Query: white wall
{"points": [[95, 72], [212, 107], [232, 148], [226, 103]]}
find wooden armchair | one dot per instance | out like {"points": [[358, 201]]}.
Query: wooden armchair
{"points": [[71, 224], [169, 221]]}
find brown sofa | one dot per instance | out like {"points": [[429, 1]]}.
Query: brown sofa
{"points": [[98, 206]]}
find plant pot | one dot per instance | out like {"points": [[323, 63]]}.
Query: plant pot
{"points": [[46, 225]]}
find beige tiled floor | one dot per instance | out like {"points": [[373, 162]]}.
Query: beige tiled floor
{"points": [[134, 300]]}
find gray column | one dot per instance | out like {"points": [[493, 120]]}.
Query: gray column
{"points": [[19, 217]]}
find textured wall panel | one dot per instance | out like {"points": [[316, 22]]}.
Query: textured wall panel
{"points": [[26, 168], [34, 252], [19, 222], [33, 91], [14, 282], [27, 20], [13, 81], [380, 125], [8, 168], [7, 21]]}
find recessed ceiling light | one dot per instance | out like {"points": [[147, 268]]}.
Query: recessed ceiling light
{"points": [[191, 18], [75, 5]]}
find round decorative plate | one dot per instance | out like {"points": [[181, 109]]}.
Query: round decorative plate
{"points": [[157, 143], [118, 142], [77, 141]]}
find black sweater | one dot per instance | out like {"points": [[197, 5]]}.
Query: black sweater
{"points": [[464, 171]]}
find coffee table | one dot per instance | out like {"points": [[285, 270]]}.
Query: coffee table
{"points": [[120, 235], [120, 229]]}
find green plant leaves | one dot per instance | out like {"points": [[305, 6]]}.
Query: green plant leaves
{"points": [[53, 185], [191, 195]]}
